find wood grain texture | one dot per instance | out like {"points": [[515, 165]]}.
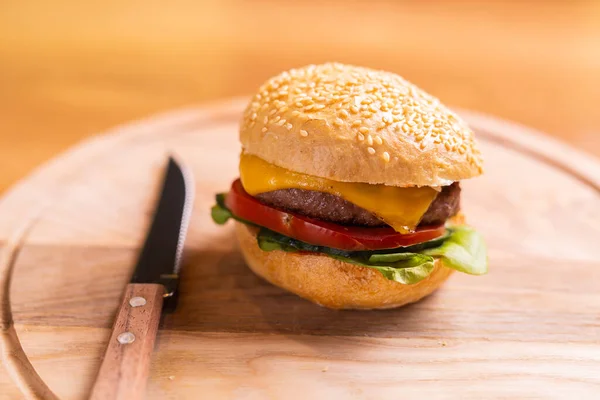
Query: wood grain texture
{"points": [[124, 370], [14, 358], [529, 328], [70, 69]]}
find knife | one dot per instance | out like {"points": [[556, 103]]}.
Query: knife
{"points": [[151, 291]]}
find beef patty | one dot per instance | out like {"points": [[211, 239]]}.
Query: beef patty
{"points": [[329, 207]]}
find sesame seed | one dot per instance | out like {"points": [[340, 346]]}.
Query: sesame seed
{"points": [[281, 123], [354, 109], [277, 118], [338, 122], [289, 126], [264, 129], [303, 133], [371, 150], [272, 112], [364, 130], [344, 114], [357, 122], [378, 140], [370, 140], [361, 137], [386, 156], [265, 119], [319, 106]]}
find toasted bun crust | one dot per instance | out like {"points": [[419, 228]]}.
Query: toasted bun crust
{"points": [[332, 283], [355, 124]]}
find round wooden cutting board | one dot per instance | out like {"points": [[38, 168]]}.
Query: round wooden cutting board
{"points": [[69, 236]]}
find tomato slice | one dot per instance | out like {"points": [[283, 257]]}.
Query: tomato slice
{"points": [[322, 233]]}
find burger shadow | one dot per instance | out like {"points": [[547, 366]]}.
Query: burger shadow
{"points": [[219, 293]]}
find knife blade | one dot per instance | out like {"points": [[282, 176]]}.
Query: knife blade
{"points": [[160, 258], [152, 290]]}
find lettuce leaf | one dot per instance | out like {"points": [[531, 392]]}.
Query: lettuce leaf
{"points": [[406, 268], [463, 251], [219, 212], [406, 275]]}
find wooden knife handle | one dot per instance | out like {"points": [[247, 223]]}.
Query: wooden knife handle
{"points": [[125, 367]]}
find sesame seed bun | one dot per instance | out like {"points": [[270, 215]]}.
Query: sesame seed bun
{"points": [[333, 283], [355, 124]]}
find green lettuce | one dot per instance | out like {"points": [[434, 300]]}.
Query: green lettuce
{"points": [[463, 251], [219, 212], [407, 268], [461, 248]]}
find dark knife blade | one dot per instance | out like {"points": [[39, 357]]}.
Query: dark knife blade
{"points": [[160, 258]]}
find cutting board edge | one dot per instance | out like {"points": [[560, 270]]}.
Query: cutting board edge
{"points": [[587, 169]]}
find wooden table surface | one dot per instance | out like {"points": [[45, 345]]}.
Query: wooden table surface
{"points": [[69, 69]]}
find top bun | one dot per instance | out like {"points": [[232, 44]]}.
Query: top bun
{"points": [[355, 124]]}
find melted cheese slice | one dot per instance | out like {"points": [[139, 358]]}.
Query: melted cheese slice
{"points": [[401, 208]]}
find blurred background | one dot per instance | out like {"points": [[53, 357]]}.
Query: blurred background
{"points": [[70, 69]]}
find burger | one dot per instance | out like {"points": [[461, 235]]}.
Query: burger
{"points": [[349, 192]]}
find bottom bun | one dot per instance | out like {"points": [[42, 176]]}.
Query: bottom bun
{"points": [[333, 283]]}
